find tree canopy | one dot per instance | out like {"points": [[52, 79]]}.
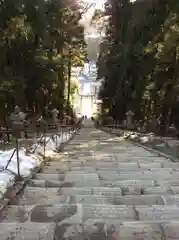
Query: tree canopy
{"points": [[139, 59], [35, 38]]}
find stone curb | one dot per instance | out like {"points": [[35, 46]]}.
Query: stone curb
{"points": [[150, 149], [154, 151]]}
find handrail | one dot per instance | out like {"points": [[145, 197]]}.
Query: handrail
{"points": [[55, 134], [10, 158], [77, 125], [5, 168], [38, 144]]}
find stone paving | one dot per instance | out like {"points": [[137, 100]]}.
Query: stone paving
{"points": [[100, 188]]}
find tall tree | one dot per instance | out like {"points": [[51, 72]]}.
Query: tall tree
{"points": [[34, 42], [139, 59]]}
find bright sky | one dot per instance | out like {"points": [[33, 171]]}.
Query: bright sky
{"points": [[98, 3], [88, 16]]}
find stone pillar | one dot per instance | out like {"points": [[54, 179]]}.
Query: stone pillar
{"points": [[55, 113], [129, 119]]}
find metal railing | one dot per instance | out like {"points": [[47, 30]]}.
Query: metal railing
{"points": [[42, 141]]}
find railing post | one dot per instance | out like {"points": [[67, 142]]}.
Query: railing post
{"points": [[178, 150], [56, 141], [62, 131], [115, 127], [70, 130], [44, 142], [17, 157]]}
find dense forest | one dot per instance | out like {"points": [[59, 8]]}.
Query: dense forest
{"points": [[40, 41], [139, 59]]}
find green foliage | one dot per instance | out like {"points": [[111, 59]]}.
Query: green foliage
{"points": [[139, 59], [35, 38]]}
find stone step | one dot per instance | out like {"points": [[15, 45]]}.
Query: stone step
{"points": [[80, 169], [142, 170], [94, 164], [91, 229], [78, 213], [38, 195], [157, 212], [122, 189], [54, 169], [76, 179], [170, 164], [161, 190], [129, 200], [161, 170], [146, 175], [88, 179], [101, 191], [48, 176], [55, 195], [48, 183], [130, 183], [113, 163], [117, 212], [83, 169], [144, 159], [74, 213], [63, 166], [43, 193], [110, 175], [40, 213], [149, 165], [130, 165], [169, 182], [134, 154], [126, 188], [101, 229], [27, 231]]}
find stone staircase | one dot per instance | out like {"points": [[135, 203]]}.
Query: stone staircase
{"points": [[100, 188]]}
